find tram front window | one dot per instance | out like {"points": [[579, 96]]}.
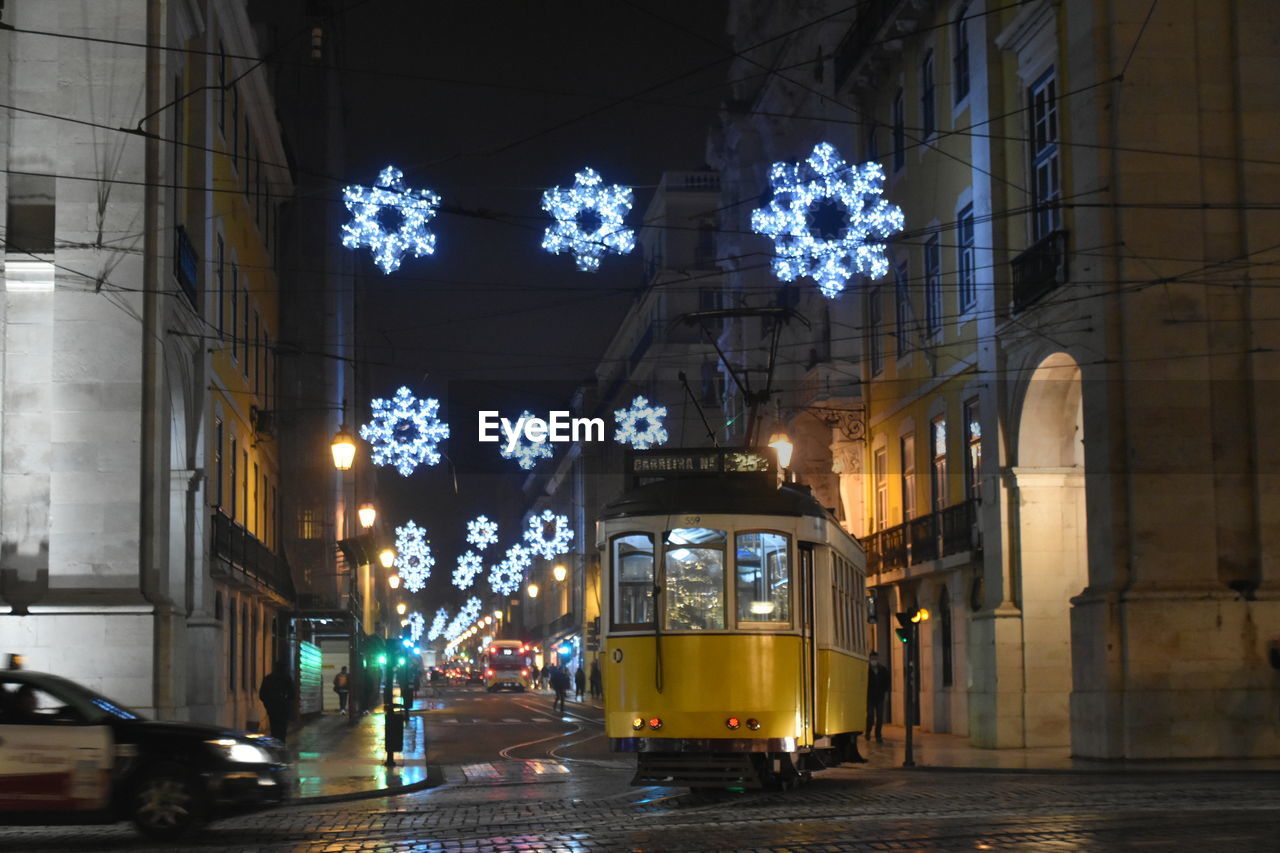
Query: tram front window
{"points": [[694, 565], [764, 578], [633, 580]]}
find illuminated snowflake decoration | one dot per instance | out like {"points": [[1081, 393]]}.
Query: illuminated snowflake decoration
{"points": [[481, 532], [506, 577], [469, 565], [549, 534], [405, 431], [417, 624], [470, 611], [371, 207], [455, 628], [526, 452], [588, 220], [629, 421], [438, 624], [413, 556], [828, 220]]}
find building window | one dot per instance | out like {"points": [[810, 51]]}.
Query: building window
{"points": [[217, 462], [244, 487], [899, 133], [235, 126], [928, 111], [907, 447], [960, 54], [244, 646], [973, 451], [222, 90], [262, 510], [901, 309], [1046, 186], [309, 526], [874, 319], [966, 285], [938, 452], [944, 629], [933, 285], [220, 261], [256, 343], [881, 470], [266, 370], [253, 512], [273, 533], [31, 215], [235, 310], [235, 468], [244, 334], [231, 646]]}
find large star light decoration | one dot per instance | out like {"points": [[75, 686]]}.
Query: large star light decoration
{"points": [[505, 578], [405, 431], [469, 565], [413, 556], [526, 452], [629, 420], [481, 532], [438, 624], [417, 624], [549, 534], [588, 220], [828, 220], [370, 209]]}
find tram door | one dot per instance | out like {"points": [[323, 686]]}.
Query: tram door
{"points": [[809, 666]]}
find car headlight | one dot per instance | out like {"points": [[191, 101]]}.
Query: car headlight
{"points": [[240, 752]]}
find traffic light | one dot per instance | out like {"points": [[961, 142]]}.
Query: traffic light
{"points": [[904, 629], [382, 660]]}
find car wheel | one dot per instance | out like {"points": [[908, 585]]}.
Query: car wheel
{"points": [[165, 805]]}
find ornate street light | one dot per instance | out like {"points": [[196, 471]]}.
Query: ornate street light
{"points": [[783, 447], [401, 608], [559, 572], [394, 580], [367, 514], [344, 449], [387, 556], [533, 590]]}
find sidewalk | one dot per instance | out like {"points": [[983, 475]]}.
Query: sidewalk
{"points": [[953, 752], [339, 761]]}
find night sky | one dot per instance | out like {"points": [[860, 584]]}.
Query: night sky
{"points": [[489, 104]]}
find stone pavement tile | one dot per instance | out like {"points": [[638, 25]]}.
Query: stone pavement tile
{"points": [[335, 757]]}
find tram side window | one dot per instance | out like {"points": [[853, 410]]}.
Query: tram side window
{"points": [[633, 580], [763, 577], [694, 566]]}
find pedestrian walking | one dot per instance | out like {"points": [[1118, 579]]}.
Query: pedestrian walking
{"points": [[342, 686], [597, 684], [877, 690], [560, 684], [579, 683], [437, 682], [278, 693]]}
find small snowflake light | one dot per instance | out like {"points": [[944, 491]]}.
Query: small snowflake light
{"points": [[372, 207], [506, 577], [469, 565], [417, 624], [438, 624], [404, 431], [642, 412], [413, 556], [470, 611], [526, 452], [828, 220], [549, 534], [588, 220], [481, 532]]}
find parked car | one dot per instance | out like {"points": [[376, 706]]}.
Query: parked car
{"points": [[71, 755]]}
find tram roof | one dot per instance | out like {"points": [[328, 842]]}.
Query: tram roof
{"points": [[724, 494]]}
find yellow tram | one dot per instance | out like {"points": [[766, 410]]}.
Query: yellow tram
{"points": [[734, 648]]}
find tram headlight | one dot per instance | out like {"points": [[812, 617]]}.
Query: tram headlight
{"points": [[733, 722], [655, 722], [637, 723], [753, 724]]}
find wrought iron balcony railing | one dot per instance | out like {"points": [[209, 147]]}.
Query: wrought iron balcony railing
{"points": [[236, 549], [1039, 269]]}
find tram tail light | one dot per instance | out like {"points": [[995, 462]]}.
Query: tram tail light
{"points": [[733, 722], [637, 723], [524, 672], [753, 724], [655, 722], [489, 673]]}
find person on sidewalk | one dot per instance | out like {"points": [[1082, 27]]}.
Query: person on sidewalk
{"points": [[560, 684], [342, 686], [278, 693], [579, 683], [877, 690], [597, 684]]}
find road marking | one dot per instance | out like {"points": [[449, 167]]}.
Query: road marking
{"points": [[450, 720], [541, 720], [480, 771], [511, 720], [543, 767]]}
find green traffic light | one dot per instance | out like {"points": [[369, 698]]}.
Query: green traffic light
{"points": [[382, 660]]}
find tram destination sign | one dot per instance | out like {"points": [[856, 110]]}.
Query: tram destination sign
{"points": [[703, 460]]}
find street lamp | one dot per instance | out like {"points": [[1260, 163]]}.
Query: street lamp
{"points": [[367, 514], [401, 608], [394, 580], [497, 614], [533, 590], [344, 449], [387, 556], [488, 620], [559, 572], [783, 447]]}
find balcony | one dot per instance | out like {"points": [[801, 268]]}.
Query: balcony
{"points": [[862, 36], [238, 554], [695, 182], [925, 539], [1039, 269], [186, 265]]}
